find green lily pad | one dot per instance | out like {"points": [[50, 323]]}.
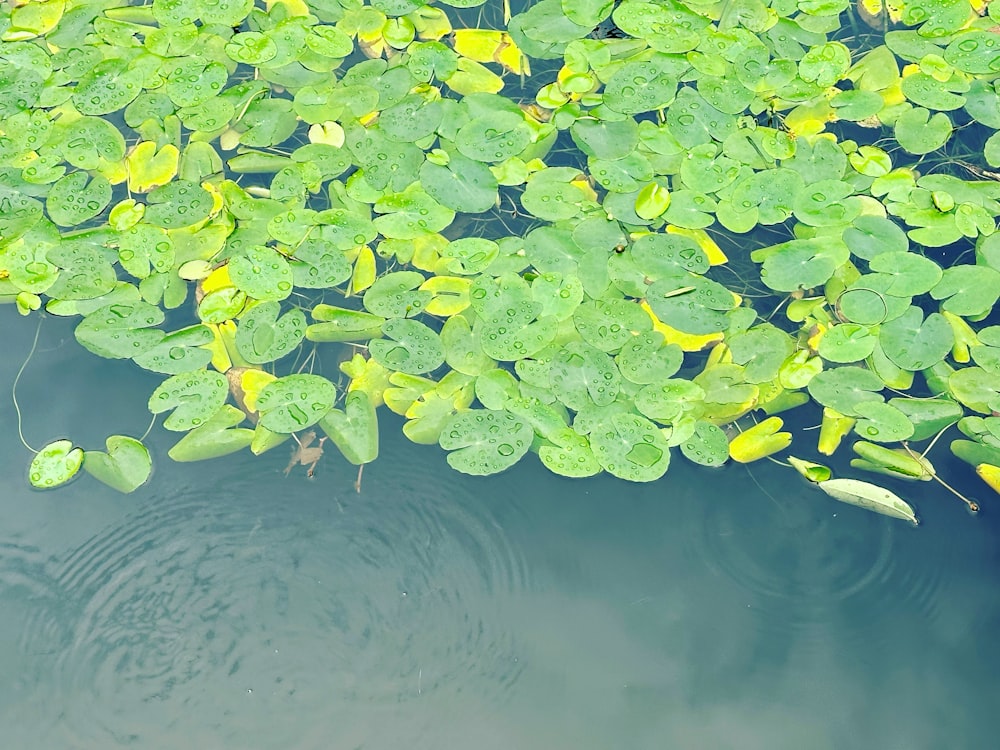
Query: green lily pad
{"points": [[761, 350], [605, 139], [395, 295], [86, 272], [581, 374], [463, 352], [569, 455], [294, 402], [915, 343], [261, 272], [666, 400], [355, 429], [976, 52], [843, 388], [55, 464], [658, 255], [469, 255], [631, 447], [691, 303], [340, 324], [870, 236], [610, 324], [928, 416], [644, 359], [968, 290], [178, 351], [912, 274], [707, 445], [194, 396], [643, 86], [410, 214], [126, 466], [179, 203], [463, 184], [263, 337], [483, 442], [919, 132], [410, 347], [800, 264], [316, 265], [495, 388], [121, 330], [867, 301], [107, 87], [508, 325], [847, 342], [493, 138], [219, 436], [976, 388], [77, 198], [882, 423]]}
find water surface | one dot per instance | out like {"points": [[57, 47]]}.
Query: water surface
{"points": [[227, 606]]}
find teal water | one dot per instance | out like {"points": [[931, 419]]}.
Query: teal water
{"points": [[227, 606]]}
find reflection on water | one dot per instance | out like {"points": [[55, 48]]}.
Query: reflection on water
{"points": [[226, 606]]}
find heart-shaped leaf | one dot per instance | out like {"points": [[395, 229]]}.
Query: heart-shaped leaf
{"points": [[483, 442], [194, 396], [355, 429], [126, 466], [55, 464]]}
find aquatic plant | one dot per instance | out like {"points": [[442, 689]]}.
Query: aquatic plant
{"points": [[710, 209]]}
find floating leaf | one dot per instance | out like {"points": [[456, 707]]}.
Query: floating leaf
{"points": [[121, 330], [395, 295], [919, 132], [340, 324], [263, 337], [581, 374], [483, 442], [894, 462], [761, 440], [219, 436], [868, 496], [55, 464], [77, 198], [968, 290], [316, 265], [812, 471], [194, 396], [881, 422], [847, 342], [915, 343], [708, 445], [844, 388], [294, 402], [355, 429], [631, 447], [569, 455], [463, 184], [262, 273], [126, 466], [411, 347], [179, 203]]}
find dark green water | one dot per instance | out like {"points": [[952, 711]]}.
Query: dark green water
{"points": [[227, 606]]}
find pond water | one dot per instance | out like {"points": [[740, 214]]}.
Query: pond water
{"points": [[224, 605]]}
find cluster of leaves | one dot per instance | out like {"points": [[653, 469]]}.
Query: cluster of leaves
{"points": [[294, 174]]}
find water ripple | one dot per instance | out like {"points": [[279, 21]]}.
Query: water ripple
{"points": [[276, 591], [798, 568]]}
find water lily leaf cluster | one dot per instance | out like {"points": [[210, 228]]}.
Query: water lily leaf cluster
{"points": [[598, 233]]}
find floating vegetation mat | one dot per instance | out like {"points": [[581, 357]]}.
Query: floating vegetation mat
{"points": [[680, 219]]}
